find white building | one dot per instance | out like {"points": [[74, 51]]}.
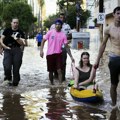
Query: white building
{"points": [[35, 6], [90, 5], [109, 6]]}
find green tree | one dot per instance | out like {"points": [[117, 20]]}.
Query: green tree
{"points": [[70, 14], [10, 1], [20, 10], [50, 20], [41, 4], [71, 17]]}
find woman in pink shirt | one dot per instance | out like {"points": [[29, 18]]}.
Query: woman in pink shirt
{"points": [[56, 38]]}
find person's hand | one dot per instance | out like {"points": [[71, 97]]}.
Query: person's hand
{"points": [[1, 51], [8, 48], [16, 36], [69, 36], [96, 65], [75, 86], [41, 54]]}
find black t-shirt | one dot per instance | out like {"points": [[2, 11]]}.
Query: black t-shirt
{"points": [[9, 41], [84, 75]]}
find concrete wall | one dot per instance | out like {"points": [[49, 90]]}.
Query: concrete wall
{"points": [[109, 5], [109, 20]]}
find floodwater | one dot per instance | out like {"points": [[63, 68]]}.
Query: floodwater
{"points": [[36, 99]]}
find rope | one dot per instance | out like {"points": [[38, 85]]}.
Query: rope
{"points": [[94, 89], [72, 80], [72, 70]]}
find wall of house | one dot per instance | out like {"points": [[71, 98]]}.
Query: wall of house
{"points": [[108, 20], [109, 5]]}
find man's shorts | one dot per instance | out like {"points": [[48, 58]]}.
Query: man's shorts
{"points": [[54, 62], [114, 66], [39, 44]]}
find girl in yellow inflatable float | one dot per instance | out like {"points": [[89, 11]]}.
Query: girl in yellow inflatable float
{"points": [[84, 76]]}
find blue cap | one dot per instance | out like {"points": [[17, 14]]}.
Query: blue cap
{"points": [[58, 21]]}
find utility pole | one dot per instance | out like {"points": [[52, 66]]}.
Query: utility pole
{"points": [[78, 14], [67, 5], [101, 7]]}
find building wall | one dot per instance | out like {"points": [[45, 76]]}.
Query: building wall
{"points": [[91, 7], [110, 5], [118, 2], [109, 20], [35, 7]]}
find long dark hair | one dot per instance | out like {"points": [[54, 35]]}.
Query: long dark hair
{"points": [[81, 62]]}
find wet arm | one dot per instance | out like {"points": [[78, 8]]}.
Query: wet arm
{"points": [[76, 77], [69, 52], [102, 47], [41, 48]]}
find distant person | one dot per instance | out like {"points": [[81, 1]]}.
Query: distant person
{"points": [[56, 38], [112, 33], [85, 73], [66, 29], [39, 39], [11, 40]]}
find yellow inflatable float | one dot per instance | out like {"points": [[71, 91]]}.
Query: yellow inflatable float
{"points": [[87, 95]]}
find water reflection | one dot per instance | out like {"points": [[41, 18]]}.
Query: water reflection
{"points": [[35, 104], [115, 114], [12, 109], [52, 103], [57, 108]]}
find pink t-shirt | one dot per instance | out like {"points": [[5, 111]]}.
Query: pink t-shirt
{"points": [[55, 41]]}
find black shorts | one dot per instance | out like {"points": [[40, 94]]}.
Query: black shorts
{"points": [[39, 44], [54, 62], [114, 66]]}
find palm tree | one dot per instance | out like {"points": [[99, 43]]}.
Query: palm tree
{"points": [[41, 4]]}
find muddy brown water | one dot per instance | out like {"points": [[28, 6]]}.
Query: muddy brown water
{"points": [[36, 99]]}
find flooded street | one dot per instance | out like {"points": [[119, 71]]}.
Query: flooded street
{"points": [[36, 99]]}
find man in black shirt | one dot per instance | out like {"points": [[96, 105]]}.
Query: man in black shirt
{"points": [[11, 40]]}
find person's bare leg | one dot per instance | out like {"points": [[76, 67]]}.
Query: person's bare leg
{"points": [[113, 94], [59, 75], [51, 77]]}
